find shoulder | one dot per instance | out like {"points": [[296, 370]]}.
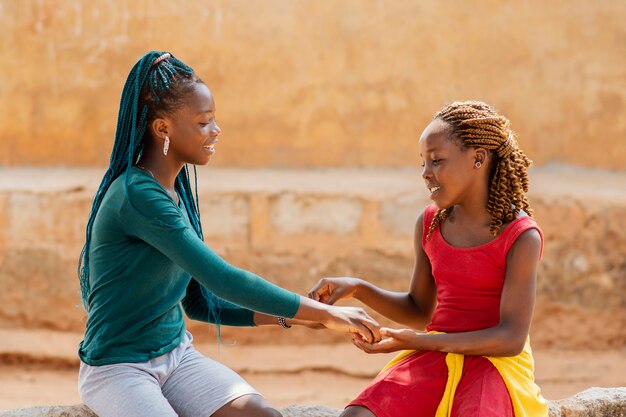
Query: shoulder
{"points": [[528, 237], [143, 190], [139, 182], [429, 212], [146, 199], [425, 217], [422, 224], [523, 223], [528, 244]]}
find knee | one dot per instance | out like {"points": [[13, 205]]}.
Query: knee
{"points": [[269, 412], [259, 407], [356, 411]]}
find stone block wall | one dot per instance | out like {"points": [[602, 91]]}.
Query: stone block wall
{"points": [[294, 227]]}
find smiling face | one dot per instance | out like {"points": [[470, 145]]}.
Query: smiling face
{"points": [[192, 129], [449, 168]]}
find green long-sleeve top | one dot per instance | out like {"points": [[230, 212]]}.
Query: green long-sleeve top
{"points": [[142, 256]]}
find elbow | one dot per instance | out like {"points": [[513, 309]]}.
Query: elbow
{"points": [[193, 317], [511, 338], [192, 313], [418, 322], [513, 350], [518, 348], [513, 346], [189, 314], [420, 315]]}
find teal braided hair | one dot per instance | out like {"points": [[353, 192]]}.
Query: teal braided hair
{"points": [[156, 86]]}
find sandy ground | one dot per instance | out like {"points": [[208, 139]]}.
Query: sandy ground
{"points": [[329, 374]]}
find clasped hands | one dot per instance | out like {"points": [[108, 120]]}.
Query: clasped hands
{"points": [[378, 339]]}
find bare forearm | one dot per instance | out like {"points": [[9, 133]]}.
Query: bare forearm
{"points": [[495, 341], [309, 310], [261, 319], [397, 306], [312, 310]]}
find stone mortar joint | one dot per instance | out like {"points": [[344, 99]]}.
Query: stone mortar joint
{"points": [[594, 402]]}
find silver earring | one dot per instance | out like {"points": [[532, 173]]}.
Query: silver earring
{"points": [[478, 164], [166, 146]]}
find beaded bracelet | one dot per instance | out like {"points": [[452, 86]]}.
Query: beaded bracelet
{"points": [[283, 323]]}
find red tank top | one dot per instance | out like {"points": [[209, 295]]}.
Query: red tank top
{"points": [[469, 280]]}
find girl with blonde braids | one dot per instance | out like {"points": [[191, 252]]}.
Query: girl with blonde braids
{"points": [[469, 306]]}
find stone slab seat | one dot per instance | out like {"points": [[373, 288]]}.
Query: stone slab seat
{"points": [[593, 402]]}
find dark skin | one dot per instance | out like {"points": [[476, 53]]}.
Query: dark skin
{"points": [[193, 131], [455, 180]]}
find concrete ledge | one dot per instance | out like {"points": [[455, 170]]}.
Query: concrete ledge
{"points": [[594, 402]]}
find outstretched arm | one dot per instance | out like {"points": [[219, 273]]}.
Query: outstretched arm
{"points": [[196, 308], [151, 216], [516, 307], [413, 308]]}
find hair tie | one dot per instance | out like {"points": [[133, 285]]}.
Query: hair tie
{"points": [[506, 148], [161, 58]]}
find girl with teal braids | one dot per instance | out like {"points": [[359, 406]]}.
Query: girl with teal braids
{"points": [[145, 262]]}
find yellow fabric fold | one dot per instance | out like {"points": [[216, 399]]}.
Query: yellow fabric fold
{"points": [[516, 371]]}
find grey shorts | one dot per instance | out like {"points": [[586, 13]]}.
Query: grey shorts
{"points": [[180, 383]]}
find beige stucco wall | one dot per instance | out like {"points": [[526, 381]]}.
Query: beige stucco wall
{"points": [[319, 83]]}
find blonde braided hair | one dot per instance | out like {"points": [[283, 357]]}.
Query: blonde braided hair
{"points": [[477, 124]]}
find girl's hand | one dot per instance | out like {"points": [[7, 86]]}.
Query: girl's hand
{"points": [[353, 320], [331, 290], [393, 340]]}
